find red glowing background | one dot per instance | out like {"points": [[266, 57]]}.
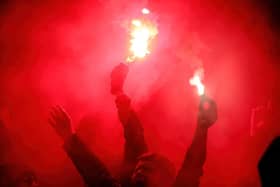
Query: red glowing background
{"points": [[62, 52]]}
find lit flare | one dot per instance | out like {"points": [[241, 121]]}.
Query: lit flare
{"points": [[196, 81], [142, 32]]}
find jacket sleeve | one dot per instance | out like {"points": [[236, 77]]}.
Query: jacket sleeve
{"points": [[135, 144], [192, 168], [92, 170]]}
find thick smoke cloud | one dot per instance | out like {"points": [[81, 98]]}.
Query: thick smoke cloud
{"points": [[62, 52]]}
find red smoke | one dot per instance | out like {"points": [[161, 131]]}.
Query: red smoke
{"points": [[63, 53]]}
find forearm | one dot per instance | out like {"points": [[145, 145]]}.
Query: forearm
{"points": [[196, 154], [192, 167], [92, 170], [135, 144], [134, 135]]}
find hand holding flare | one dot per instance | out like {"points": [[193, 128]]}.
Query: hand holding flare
{"points": [[207, 114], [118, 76]]}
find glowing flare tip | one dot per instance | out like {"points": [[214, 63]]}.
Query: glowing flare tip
{"points": [[141, 33], [195, 81]]}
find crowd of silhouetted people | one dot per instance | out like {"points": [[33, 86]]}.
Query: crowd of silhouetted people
{"points": [[140, 167]]}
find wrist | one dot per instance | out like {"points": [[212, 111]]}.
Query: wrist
{"points": [[202, 127], [68, 136]]}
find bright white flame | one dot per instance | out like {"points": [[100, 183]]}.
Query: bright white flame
{"points": [[145, 11], [136, 23], [196, 81], [142, 32]]}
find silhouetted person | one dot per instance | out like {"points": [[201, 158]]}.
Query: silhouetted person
{"points": [[140, 168], [269, 165], [135, 144], [93, 171]]}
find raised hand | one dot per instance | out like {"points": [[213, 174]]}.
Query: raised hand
{"points": [[207, 114], [61, 122], [118, 77]]}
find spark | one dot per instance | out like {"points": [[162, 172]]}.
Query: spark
{"points": [[145, 11]]}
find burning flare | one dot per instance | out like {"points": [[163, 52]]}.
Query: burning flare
{"points": [[142, 32], [196, 81]]}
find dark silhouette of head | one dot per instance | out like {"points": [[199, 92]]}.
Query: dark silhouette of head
{"points": [[269, 165], [153, 170]]}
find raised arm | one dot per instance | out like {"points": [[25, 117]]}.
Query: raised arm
{"points": [[192, 168], [135, 144], [92, 170]]}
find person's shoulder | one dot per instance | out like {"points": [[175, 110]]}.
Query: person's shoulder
{"points": [[269, 164], [273, 150]]}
